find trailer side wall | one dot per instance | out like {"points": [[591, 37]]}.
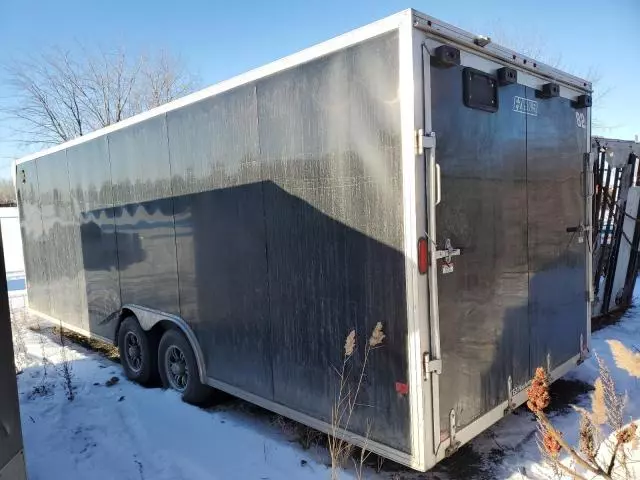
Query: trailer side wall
{"points": [[269, 217]]}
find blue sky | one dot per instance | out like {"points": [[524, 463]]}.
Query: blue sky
{"points": [[221, 39]]}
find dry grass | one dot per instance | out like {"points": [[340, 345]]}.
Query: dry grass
{"points": [[624, 358], [350, 344], [350, 385], [43, 352], [614, 402], [22, 320], [598, 407], [307, 437], [66, 370], [377, 336], [20, 346], [107, 350], [602, 458], [587, 437]]}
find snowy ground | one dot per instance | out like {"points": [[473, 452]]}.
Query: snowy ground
{"points": [[510, 446], [124, 431]]}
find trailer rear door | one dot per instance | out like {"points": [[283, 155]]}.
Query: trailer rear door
{"points": [[556, 142], [510, 187]]}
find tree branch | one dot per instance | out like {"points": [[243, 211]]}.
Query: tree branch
{"points": [[59, 95]]}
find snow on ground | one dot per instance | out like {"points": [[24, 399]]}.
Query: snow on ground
{"points": [[129, 432], [513, 440]]}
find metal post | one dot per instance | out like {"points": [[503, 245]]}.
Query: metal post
{"points": [[12, 465]]}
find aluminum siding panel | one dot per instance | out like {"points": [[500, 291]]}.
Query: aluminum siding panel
{"points": [[143, 209], [330, 143], [92, 201], [220, 235]]}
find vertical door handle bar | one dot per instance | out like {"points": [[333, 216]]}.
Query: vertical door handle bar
{"points": [[438, 185]]}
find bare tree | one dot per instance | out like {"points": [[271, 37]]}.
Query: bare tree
{"points": [[60, 95]]}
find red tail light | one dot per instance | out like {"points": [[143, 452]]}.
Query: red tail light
{"points": [[423, 255]]}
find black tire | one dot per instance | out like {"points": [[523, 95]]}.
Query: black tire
{"points": [[138, 352], [179, 370]]}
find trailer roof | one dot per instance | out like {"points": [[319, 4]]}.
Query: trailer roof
{"points": [[419, 20]]}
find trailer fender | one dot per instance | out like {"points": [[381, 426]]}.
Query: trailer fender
{"points": [[148, 318]]}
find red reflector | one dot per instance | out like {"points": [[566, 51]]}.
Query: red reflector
{"points": [[423, 255], [402, 388]]}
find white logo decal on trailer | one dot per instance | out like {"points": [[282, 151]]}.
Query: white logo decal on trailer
{"points": [[526, 106], [581, 120]]}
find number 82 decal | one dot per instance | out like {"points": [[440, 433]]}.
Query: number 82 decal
{"points": [[581, 120]]}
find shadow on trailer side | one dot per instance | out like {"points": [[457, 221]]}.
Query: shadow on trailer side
{"points": [[271, 287]]}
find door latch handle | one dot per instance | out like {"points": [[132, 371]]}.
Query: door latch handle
{"points": [[580, 230], [448, 251]]}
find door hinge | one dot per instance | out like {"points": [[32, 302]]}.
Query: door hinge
{"points": [[430, 365], [584, 350], [453, 429], [510, 405], [424, 140]]}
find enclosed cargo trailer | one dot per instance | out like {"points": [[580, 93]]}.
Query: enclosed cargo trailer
{"points": [[256, 223]]}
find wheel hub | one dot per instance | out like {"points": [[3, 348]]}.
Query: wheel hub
{"points": [[178, 368], [134, 352]]}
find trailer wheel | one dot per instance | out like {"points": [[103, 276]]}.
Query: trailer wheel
{"points": [[137, 351], [179, 369]]}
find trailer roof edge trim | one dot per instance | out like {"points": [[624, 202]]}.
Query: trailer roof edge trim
{"points": [[436, 28]]}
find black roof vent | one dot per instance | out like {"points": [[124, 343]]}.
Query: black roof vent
{"points": [[446, 56], [583, 101], [549, 90], [507, 76]]}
